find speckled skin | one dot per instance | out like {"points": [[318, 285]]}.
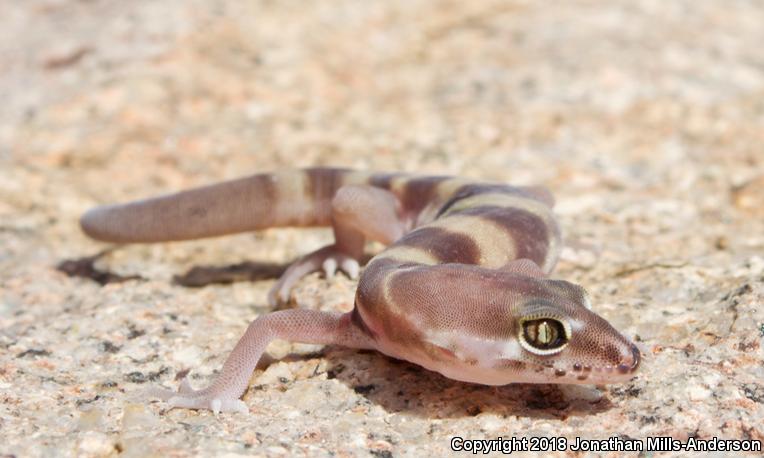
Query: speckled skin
{"points": [[461, 290]]}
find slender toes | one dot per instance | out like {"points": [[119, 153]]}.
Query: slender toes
{"points": [[159, 393], [185, 387], [279, 294], [273, 300], [351, 267], [185, 402], [237, 405], [216, 405], [330, 267], [228, 405], [347, 264], [327, 259]]}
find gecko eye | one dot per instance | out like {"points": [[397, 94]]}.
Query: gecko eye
{"points": [[543, 336]]}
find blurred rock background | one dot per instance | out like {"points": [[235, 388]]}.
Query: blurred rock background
{"points": [[645, 118]]}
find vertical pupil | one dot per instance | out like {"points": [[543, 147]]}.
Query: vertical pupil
{"points": [[544, 332]]}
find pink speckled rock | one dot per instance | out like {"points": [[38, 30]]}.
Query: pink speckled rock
{"points": [[643, 117]]}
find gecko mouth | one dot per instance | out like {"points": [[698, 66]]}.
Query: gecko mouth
{"points": [[591, 374]]}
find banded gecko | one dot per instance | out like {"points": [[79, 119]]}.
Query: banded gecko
{"points": [[462, 289]]}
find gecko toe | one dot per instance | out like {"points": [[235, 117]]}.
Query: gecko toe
{"points": [[239, 406], [350, 266], [215, 405], [327, 259], [185, 387], [273, 300], [158, 393], [279, 295], [330, 267], [183, 402]]}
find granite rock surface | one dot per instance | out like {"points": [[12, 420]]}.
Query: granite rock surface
{"points": [[645, 118]]}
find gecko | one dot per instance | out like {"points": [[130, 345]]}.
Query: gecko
{"points": [[463, 287]]}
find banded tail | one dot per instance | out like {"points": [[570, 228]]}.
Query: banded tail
{"points": [[290, 198]]}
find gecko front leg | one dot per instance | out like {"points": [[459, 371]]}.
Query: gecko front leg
{"points": [[304, 326], [358, 213]]}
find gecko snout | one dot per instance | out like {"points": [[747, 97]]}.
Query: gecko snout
{"points": [[632, 364]]}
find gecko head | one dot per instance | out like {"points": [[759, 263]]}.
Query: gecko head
{"points": [[495, 326], [562, 341]]}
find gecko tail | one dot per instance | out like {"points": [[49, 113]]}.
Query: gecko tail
{"points": [[290, 198]]}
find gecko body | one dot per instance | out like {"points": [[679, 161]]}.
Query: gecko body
{"points": [[462, 288]]}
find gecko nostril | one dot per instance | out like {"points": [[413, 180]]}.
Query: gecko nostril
{"points": [[635, 359]]}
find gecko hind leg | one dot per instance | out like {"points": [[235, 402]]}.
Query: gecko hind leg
{"points": [[358, 213]]}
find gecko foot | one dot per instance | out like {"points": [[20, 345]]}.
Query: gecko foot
{"points": [[216, 405], [188, 398], [327, 259]]}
